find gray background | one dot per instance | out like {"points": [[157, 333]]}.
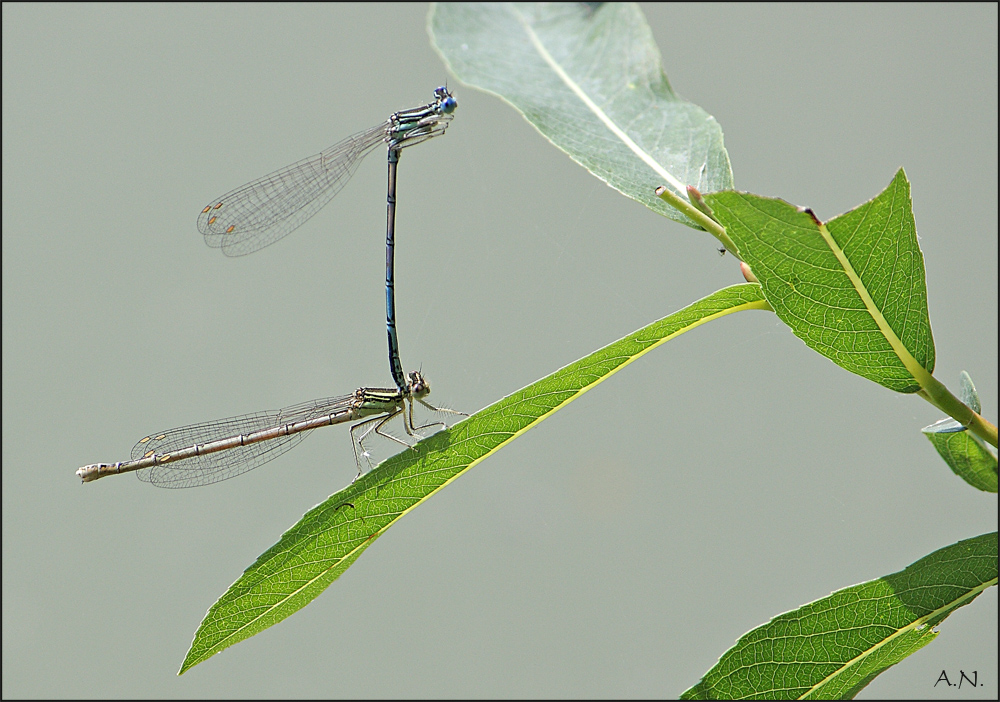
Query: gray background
{"points": [[616, 550]]}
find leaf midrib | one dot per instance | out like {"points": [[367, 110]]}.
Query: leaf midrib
{"points": [[646, 158], [912, 626], [911, 364], [218, 645]]}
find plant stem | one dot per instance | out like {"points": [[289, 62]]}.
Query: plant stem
{"points": [[939, 396], [699, 217]]}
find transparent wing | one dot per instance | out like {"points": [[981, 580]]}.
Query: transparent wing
{"points": [[222, 465], [259, 213]]}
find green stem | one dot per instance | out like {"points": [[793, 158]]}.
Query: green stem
{"points": [[699, 217], [939, 396]]}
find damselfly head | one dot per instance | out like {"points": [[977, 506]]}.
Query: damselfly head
{"points": [[446, 103], [417, 385]]}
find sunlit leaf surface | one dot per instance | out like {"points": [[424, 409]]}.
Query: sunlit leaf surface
{"points": [[832, 648], [330, 537], [852, 288], [589, 77]]}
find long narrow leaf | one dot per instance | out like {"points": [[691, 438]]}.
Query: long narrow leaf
{"points": [[330, 537], [832, 648]]}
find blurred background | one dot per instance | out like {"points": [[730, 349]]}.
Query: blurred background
{"points": [[614, 551]]}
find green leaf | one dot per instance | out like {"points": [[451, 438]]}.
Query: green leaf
{"points": [[968, 457], [832, 648], [852, 289], [964, 452], [330, 537], [590, 80]]}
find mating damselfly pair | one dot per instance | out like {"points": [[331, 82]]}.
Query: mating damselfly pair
{"points": [[247, 219]]}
